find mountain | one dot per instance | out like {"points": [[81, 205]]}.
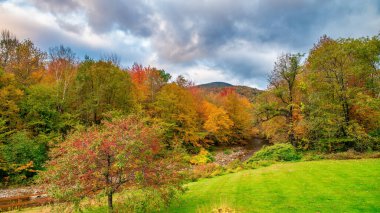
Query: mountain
{"points": [[217, 87]]}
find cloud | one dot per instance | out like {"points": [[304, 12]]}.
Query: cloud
{"points": [[224, 40]]}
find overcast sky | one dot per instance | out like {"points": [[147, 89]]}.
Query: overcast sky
{"points": [[235, 41]]}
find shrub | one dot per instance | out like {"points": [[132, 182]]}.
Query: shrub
{"points": [[312, 156], [360, 143], [21, 149], [22, 156], [259, 164], [277, 152], [352, 154], [206, 171], [202, 157], [227, 151]]}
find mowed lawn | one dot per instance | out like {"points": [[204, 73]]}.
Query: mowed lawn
{"points": [[319, 186]]}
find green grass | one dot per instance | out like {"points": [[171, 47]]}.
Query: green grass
{"points": [[320, 186]]}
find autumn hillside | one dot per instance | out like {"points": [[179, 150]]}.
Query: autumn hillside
{"points": [[218, 87]]}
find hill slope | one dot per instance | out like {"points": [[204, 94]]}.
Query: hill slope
{"points": [[320, 186], [217, 87]]}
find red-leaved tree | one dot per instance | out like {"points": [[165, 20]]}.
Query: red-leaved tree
{"points": [[121, 154]]}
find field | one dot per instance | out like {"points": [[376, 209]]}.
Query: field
{"points": [[320, 186]]}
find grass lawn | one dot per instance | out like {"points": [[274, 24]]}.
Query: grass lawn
{"points": [[319, 186]]}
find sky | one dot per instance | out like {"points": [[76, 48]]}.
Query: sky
{"points": [[235, 41]]}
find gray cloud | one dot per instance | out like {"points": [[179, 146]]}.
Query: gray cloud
{"points": [[241, 38]]}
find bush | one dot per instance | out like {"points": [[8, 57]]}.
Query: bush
{"points": [[227, 151], [206, 171], [361, 144], [21, 149], [312, 156], [277, 152], [202, 157], [352, 154], [22, 156]]}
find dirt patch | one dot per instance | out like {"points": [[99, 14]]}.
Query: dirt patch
{"points": [[225, 155], [22, 191]]}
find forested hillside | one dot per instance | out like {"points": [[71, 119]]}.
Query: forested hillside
{"points": [[219, 87]]}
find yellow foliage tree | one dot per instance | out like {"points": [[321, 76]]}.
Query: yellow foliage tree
{"points": [[218, 124], [239, 109], [176, 107]]}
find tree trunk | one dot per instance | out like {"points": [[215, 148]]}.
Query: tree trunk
{"points": [[110, 205], [291, 136]]}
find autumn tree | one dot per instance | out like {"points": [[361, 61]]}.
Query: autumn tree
{"points": [[282, 81], [217, 123], [27, 64], [62, 68], [10, 96], [121, 154], [148, 81], [239, 110], [175, 106], [8, 45]]}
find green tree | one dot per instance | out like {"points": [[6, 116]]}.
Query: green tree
{"points": [[101, 87], [282, 81], [342, 77]]}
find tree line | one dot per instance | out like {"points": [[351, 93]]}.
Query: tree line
{"points": [[47, 96], [328, 101]]}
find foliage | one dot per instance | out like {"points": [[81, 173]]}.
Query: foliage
{"points": [[176, 107], [10, 95], [39, 110], [99, 88], [239, 110], [277, 152], [119, 155], [202, 157], [206, 171], [23, 156], [140, 200], [217, 123]]}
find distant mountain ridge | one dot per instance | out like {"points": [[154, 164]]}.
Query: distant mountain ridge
{"points": [[215, 84], [217, 87]]}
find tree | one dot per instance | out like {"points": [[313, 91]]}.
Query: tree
{"points": [[340, 72], [27, 64], [148, 81], [282, 81], [122, 154], [175, 105], [41, 114], [101, 87], [62, 67], [8, 45], [10, 96], [239, 110], [217, 123]]}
